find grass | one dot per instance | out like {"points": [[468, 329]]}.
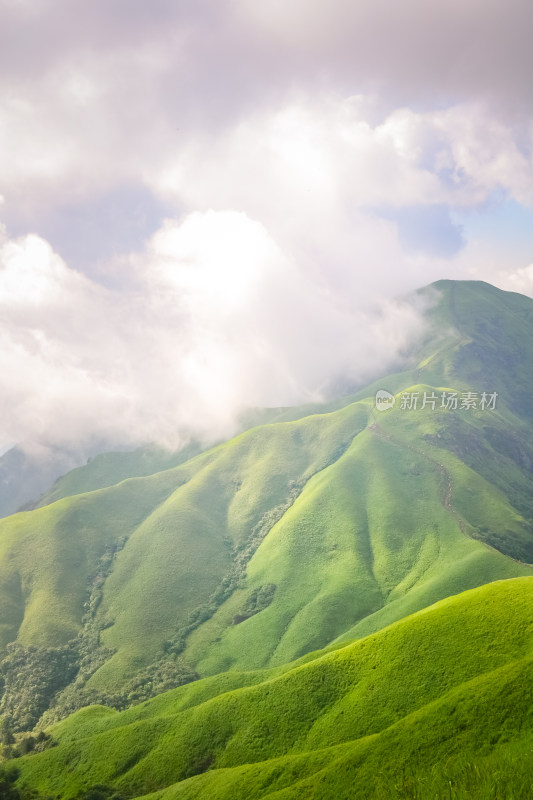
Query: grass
{"points": [[345, 520], [431, 698], [108, 469], [351, 556], [46, 557], [180, 530]]}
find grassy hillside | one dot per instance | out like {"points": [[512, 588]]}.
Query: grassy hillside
{"points": [[425, 708], [298, 534], [351, 555], [108, 469], [80, 566]]}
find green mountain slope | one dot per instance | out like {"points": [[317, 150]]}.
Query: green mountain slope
{"points": [[182, 543], [298, 534], [352, 555], [427, 705], [108, 469]]}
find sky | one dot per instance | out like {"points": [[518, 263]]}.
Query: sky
{"points": [[212, 205]]}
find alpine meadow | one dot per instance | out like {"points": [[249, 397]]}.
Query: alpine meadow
{"points": [[266, 400], [335, 603]]}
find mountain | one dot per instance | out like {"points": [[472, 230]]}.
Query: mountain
{"points": [[435, 706], [32, 475], [26, 472], [109, 468], [140, 572], [340, 593]]}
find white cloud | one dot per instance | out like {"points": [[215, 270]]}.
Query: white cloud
{"points": [[317, 153], [215, 319], [519, 280], [412, 52], [325, 182], [484, 154], [285, 140], [214, 260], [99, 100]]}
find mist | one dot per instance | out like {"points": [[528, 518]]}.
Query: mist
{"points": [[208, 208], [211, 319]]}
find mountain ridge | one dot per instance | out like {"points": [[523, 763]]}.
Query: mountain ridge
{"points": [[292, 536], [422, 691]]}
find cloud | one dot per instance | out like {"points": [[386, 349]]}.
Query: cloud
{"points": [[213, 205], [519, 280], [102, 94], [426, 229], [354, 200], [215, 319], [324, 149], [411, 53], [408, 52]]}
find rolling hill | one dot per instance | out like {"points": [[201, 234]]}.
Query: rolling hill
{"points": [[138, 573], [436, 705]]}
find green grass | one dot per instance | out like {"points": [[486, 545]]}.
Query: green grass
{"points": [[47, 555], [347, 520], [351, 556], [108, 469], [427, 700], [181, 528]]}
